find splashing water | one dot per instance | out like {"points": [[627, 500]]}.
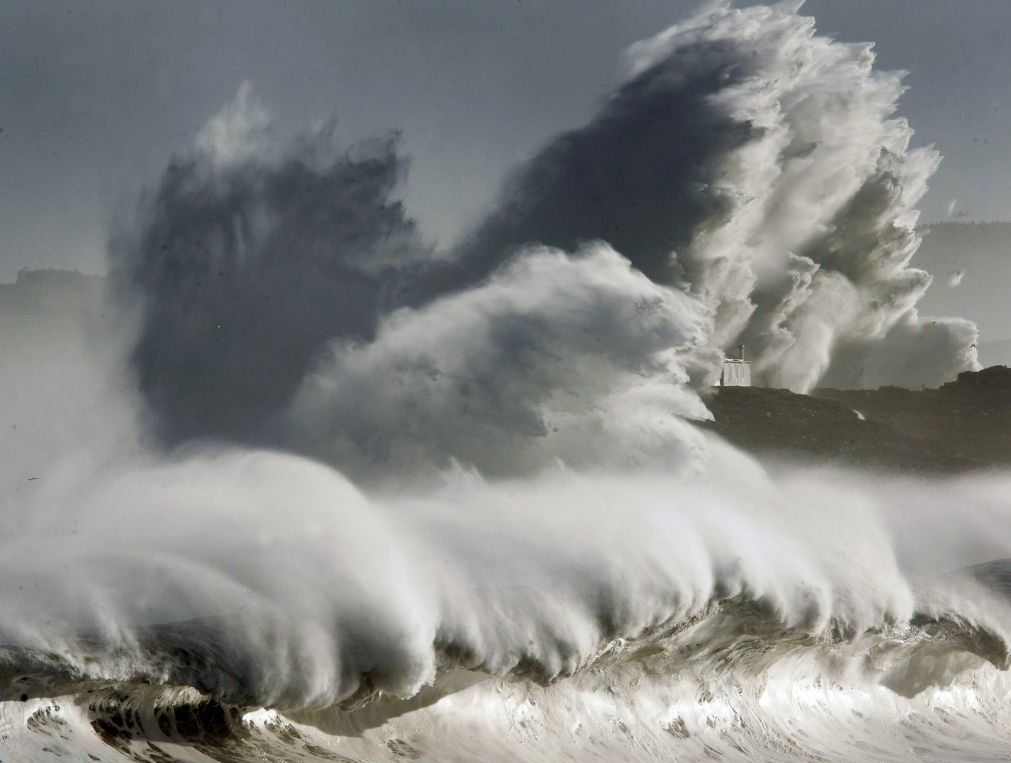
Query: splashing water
{"points": [[374, 502]]}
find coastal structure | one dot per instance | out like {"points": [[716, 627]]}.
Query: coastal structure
{"points": [[736, 371]]}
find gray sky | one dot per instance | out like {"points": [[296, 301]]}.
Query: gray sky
{"points": [[95, 95]]}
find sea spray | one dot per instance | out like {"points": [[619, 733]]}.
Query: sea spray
{"points": [[338, 495]]}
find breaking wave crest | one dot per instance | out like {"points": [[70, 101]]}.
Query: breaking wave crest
{"points": [[730, 682], [566, 615]]}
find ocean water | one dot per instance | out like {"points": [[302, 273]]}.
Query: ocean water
{"points": [[455, 508]]}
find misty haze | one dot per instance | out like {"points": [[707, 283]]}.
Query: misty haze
{"points": [[457, 381]]}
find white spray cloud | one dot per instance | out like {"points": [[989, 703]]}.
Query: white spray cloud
{"points": [[761, 167], [555, 357], [812, 257]]}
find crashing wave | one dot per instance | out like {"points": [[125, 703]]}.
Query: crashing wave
{"points": [[379, 502]]}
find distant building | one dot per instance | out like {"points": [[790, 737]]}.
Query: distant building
{"points": [[736, 371]]}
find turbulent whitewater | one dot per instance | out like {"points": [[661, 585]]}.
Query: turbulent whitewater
{"points": [[291, 484]]}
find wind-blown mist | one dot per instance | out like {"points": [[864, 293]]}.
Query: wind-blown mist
{"points": [[360, 476], [247, 262]]}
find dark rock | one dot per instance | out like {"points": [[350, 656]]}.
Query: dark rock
{"points": [[965, 425]]}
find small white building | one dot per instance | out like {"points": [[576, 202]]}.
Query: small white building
{"points": [[736, 371]]}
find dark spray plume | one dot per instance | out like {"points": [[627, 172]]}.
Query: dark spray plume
{"points": [[249, 260]]}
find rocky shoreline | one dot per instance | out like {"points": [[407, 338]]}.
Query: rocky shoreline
{"points": [[962, 426]]}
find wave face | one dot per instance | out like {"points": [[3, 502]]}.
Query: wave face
{"points": [[643, 616], [731, 683], [320, 493]]}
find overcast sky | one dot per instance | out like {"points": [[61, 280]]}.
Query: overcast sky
{"points": [[96, 95]]}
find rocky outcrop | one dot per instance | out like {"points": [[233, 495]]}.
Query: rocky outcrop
{"points": [[962, 426]]}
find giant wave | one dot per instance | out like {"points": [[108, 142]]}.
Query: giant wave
{"points": [[325, 494]]}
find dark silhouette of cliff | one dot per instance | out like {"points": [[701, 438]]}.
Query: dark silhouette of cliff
{"points": [[963, 426]]}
